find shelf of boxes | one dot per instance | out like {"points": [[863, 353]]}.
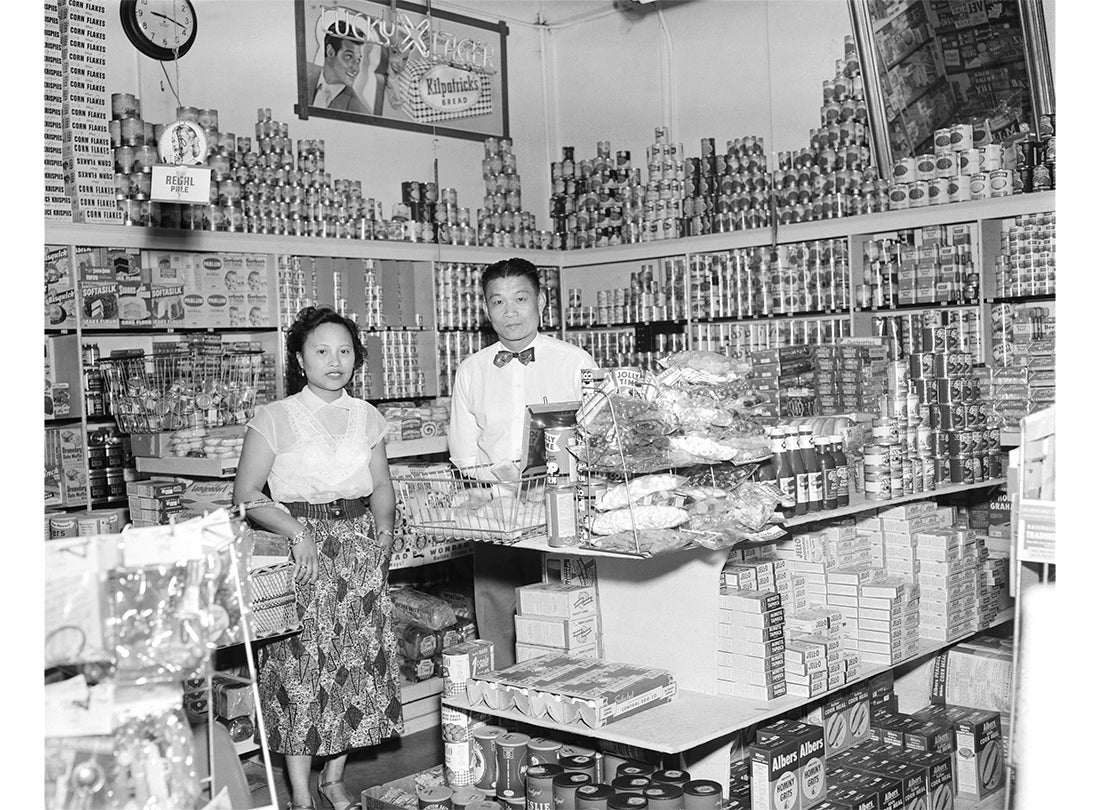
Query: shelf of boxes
{"points": [[189, 466], [694, 719]]}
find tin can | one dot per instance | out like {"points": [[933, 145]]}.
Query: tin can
{"points": [[702, 794], [918, 194], [1000, 183], [664, 797], [905, 170], [630, 783], [434, 797], [566, 786], [483, 757], [593, 797], [941, 140], [511, 760], [899, 196], [540, 785], [979, 186], [925, 167], [541, 750], [990, 157], [962, 137], [581, 763], [939, 191]]}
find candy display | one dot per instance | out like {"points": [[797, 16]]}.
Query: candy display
{"points": [[147, 761], [189, 384]]}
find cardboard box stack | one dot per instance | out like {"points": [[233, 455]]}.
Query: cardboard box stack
{"points": [[783, 377], [849, 375], [86, 140], [556, 618], [58, 203], [927, 265], [66, 478], [751, 646], [155, 501], [948, 583], [889, 620]]}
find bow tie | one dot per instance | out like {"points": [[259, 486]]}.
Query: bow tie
{"points": [[504, 356]]}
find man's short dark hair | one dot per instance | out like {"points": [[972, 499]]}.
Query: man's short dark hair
{"points": [[338, 42], [507, 268]]}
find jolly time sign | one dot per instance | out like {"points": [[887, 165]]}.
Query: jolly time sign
{"points": [[180, 184]]}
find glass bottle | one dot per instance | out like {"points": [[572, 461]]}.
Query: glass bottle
{"points": [[798, 468], [823, 448], [815, 479], [843, 490], [784, 475]]}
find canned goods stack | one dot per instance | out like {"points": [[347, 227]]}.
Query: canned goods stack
{"points": [[849, 377], [595, 202], [108, 457], [834, 176], [618, 347], [454, 347], [1034, 159], [1016, 327], [1026, 264], [906, 331], [417, 211], [729, 192], [750, 282], [959, 169], [501, 221], [401, 370], [297, 286], [740, 339], [85, 140], [932, 265], [933, 427], [1022, 378], [783, 379], [654, 293]]}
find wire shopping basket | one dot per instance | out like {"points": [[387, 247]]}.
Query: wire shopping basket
{"points": [[185, 386], [446, 504]]}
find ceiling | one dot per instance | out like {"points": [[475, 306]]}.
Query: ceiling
{"points": [[553, 12]]}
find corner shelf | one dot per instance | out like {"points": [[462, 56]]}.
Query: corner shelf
{"points": [[694, 719]]}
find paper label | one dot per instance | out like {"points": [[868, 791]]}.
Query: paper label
{"points": [[74, 709], [183, 184]]}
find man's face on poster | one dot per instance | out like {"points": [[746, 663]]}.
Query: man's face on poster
{"points": [[343, 65]]}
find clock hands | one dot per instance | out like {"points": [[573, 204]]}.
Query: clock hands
{"points": [[165, 17]]}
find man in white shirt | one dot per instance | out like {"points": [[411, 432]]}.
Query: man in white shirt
{"points": [[491, 392]]}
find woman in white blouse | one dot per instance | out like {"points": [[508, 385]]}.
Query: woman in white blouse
{"points": [[320, 451]]}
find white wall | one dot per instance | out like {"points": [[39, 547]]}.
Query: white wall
{"points": [[244, 59], [734, 68], [738, 67]]}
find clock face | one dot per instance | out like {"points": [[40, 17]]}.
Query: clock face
{"points": [[160, 28]]}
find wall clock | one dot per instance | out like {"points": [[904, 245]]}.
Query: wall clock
{"points": [[161, 29]]}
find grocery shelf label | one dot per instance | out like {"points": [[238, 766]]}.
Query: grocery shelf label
{"points": [[180, 184]]}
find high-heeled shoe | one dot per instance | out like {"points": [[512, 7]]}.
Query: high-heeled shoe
{"points": [[342, 805]]}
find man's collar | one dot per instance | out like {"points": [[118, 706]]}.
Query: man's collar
{"points": [[499, 345], [314, 403]]}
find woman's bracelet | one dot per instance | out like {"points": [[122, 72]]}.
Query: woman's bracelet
{"points": [[384, 531], [297, 537]]}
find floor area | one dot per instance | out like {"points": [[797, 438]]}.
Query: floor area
{"points": [[366, 767]]}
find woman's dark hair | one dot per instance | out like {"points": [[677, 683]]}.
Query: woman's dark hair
{"points": [[305, 322], [507, 268]]}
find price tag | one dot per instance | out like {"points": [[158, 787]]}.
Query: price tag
{"points": [[180, 184], [74, 709], [162, 544]]}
